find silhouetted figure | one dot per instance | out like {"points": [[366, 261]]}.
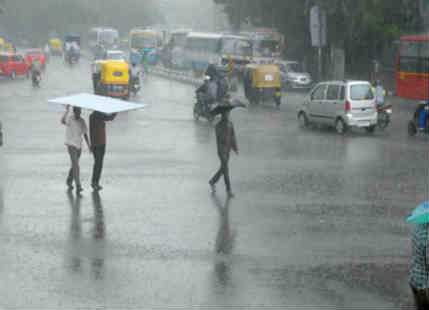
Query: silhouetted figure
{"points": [[226, 141]]}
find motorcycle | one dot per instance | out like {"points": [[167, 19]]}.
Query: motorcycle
{"points": [[36, 79], [420, 121], [202, 107], [135, 85], [383, 118]]}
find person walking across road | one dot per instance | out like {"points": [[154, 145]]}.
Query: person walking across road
{"points": [[225, 138], [76, 128], [97, 130], [420, 267]]}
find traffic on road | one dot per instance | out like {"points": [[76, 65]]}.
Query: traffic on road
{"points": [[239, 180]]}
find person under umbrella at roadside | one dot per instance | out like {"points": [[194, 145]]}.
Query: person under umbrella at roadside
{"points": [[226, 141], [76, 128], [419, 280], [97, 130]]}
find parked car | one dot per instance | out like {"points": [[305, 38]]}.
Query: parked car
{"points": [[12, 65], [36, 55], [293, 76], [343, 104]]}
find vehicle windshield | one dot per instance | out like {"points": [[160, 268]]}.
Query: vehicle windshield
{"points": [[4, 58], [237, 47], [361, 92], [143, 41], [294, 67], [115, 56], [178, 40], [204, 44], [267, 47], [108, 36]]}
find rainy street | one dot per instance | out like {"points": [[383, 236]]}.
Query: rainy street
{"points": [[319, 219]]}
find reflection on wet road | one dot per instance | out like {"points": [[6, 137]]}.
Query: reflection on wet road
{"points": [[319, 219]]}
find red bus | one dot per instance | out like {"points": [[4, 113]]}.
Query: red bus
{"points": [[412, 68]]}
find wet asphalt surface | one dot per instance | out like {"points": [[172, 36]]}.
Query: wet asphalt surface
{"points": [[319, 219]]}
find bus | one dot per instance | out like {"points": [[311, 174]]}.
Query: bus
{"points": [[201, 49], [412, 68], [174, 50], [268, 44], [238, 49], [145, 45], [108, 37]]}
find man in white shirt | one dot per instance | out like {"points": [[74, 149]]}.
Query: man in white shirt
{"points": [[76, 128]]}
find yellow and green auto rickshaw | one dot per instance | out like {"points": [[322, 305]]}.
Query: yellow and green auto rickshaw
{"points": [[262, 82], [111, 78], [56, 47]]}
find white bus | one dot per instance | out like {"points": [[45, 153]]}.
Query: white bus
{"points": [[174, 51], [201, 49], [204, 48], [108, 37]]}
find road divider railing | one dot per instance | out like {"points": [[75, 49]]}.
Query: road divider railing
{"points": [[180, 76]]}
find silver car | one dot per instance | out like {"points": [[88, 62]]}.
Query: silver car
{"points": [[342, 104], [292, 75]]}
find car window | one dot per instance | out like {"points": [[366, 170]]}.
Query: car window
{"points": [[4, 58], [319, 93], [332, 93], [342, 93], [15, 58], [361, 92]]}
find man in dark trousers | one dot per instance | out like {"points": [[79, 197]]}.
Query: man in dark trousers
{"points": [[97, 131], [225, 138]]}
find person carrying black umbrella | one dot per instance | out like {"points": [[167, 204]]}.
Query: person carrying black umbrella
{"points": [[226, 141]]}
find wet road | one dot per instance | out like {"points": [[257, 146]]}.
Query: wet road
{"points": [[319, 219]]}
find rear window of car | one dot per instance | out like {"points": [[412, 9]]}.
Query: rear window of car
{"points": [[4, 58], [361, 92]]}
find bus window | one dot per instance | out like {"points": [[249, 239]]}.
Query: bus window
{"points": [[414, 56]]}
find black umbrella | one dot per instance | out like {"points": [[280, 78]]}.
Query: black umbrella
{"points": [[223, 108]]}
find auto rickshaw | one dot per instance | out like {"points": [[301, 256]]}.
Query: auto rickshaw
{"points": [[56, 46], [262, 82], [111, 78], [6, 47]]}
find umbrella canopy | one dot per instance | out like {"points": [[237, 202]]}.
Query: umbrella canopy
{"points": [[97, 103], [223, 108], [420, 215]]}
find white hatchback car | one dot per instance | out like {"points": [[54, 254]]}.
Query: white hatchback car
{"points": [[342, 104]]}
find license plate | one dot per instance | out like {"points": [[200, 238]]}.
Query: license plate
{"points": [[364, 123]]}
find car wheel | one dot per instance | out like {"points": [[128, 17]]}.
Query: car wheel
{"points": [[13, 75], [370, 129], [303, 120], [412, 130], [340, 126]]}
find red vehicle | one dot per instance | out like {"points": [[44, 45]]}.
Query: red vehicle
{"points": [[36, 54], [12, 65], [412, 68]]}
